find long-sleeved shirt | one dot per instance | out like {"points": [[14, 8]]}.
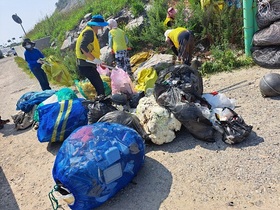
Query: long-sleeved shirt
{"points": [[117, 39], [31, 57]]}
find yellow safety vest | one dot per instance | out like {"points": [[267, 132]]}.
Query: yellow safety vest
{"points": [[174, 34], [167, 20], [118, 37], [93, 47]]}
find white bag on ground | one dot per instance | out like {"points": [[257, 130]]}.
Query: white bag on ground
{"points": [[219, 100]]}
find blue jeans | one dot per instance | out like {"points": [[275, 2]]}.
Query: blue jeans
{"points": [[41, 77]]}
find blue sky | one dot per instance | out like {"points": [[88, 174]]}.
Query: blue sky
{"points": [[30, 12]]}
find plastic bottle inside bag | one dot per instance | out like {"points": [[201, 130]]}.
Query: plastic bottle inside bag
{"points": [[69, 199], [149, 92], [213, 119], [226, 114], [204, 110], [223, 114]]}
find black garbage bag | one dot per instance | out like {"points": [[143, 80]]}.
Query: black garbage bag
{"points": [[268, 36], [268, 13], [190, 79], [134, 99], [267, 57], [125, 118], [167, 98], [97, 109], [187, 113], [183, 77], [235, 130], [194, 121]]}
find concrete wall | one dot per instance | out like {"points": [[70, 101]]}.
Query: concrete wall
{"points": [[39, 43]]}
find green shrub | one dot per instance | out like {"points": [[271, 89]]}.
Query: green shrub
{"points": [[152, 35], [137, 8], [70, 62], [219, 28], [23, 65], [224, 59]]}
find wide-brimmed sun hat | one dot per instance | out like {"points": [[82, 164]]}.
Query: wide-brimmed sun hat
{"points": [[97, 20], [27, 40]]}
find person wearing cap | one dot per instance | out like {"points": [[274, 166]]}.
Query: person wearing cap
{"points": [[181, 41], [170, 17], [33, 57], [87, 48], [118, 42]]}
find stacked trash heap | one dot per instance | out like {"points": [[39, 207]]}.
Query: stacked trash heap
{"points": [[266, 42], [104, 138]]}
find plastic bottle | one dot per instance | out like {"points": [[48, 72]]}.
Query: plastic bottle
{"points": [[204, 110], [69, 198]]}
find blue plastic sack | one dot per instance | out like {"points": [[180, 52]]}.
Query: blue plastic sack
{"points": [[29, 99], [58, 120], [96, 161], [62, 94]]}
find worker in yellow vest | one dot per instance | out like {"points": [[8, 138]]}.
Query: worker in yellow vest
{"points": [[181, 41], [87, 48], [170, 17], [118, 42]]}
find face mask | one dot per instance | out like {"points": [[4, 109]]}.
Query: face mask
{"points": [[28, 46]]}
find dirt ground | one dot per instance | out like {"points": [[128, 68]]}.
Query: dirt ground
{"points": [[186, 174]]}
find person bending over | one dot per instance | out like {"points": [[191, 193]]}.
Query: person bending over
{"points": [[181, 41]]}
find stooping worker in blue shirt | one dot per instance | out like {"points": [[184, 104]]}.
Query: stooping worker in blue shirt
{"points": [[88, 48], [181, 41], [33, 57]]}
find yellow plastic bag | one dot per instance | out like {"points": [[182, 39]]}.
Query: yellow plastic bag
{"points": [[57, 72], [218, 4], [139, 58], [146, 78], [88, 91]]}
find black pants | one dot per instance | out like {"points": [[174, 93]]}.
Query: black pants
{"points": [[92, 74], [186, 46], [41, 77]]}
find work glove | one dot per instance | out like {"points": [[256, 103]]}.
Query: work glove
{"points": [[40, 61], [97, 61]]}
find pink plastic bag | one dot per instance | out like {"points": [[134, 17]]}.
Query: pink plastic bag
{"points": [[121, 82], [102, 70]]}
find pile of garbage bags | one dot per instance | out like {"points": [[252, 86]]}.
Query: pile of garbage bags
{"points": [[266, 42], [178, 89], [173, 98], [104, 138]]}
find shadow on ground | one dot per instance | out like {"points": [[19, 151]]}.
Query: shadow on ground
{"points": [[185, 141], [7, 198], [53, 147], [147, 190], [9, 129]]}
